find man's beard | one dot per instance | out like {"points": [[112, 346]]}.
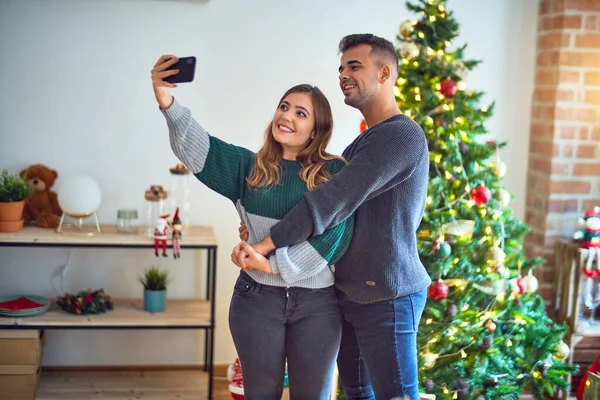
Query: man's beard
{"points": [[359, 99]]}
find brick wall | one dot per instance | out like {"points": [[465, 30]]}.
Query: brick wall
{"points": [[564, 156]]}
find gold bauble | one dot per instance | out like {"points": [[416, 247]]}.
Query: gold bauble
{"points": [[409, 50], [406, 28]]}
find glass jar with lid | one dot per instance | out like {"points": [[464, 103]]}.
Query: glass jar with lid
{"points": [[179, 190], [127, 220]]}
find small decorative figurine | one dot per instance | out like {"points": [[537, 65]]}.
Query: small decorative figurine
{"points": [[176, 227], [589, 239], [160, 234]]}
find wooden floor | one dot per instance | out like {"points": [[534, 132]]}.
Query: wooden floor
{"points": [[129, 385]]}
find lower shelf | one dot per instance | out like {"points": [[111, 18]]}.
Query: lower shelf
{"points": [[126, 313], [125, 385]]}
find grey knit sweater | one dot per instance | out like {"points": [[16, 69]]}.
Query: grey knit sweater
{"points": [[385, 185]]}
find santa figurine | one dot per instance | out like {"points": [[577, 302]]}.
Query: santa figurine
{"points": [[176, 235], [236, 383], [589, 239], [160, 234]]}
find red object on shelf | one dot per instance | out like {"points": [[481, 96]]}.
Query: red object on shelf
{"points": [[594, 368], [21, 303]]}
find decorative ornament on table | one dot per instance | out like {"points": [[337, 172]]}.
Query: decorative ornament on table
{"points": [[176, 235], [155, 198], [481, 195], [409, 50], [179, 190], [160, 234], [85, 302], [406, 28], [588, 238], [438, 290], [448, 88]]}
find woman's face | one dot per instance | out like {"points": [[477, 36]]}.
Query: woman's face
{"points": [[293, 124]]}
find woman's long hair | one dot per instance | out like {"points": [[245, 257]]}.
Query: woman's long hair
{"points": [[313, 157]]}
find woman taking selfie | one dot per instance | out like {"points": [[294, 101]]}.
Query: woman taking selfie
{"points": [[285, 307]]}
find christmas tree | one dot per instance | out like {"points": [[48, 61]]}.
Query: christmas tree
{"points": [[485, 333]]}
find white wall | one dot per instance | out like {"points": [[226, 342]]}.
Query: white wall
{"points": [[76, 95]]}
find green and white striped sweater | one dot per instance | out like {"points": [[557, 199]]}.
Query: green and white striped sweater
{"points": [[224, 167]]}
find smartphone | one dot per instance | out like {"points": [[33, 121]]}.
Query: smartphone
{"points": [[186, 67]]}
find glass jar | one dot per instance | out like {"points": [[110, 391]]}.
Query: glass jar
{"points": [[127, 221], [155, 205], [179, 190]]}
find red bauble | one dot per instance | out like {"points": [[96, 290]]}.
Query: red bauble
{"points": [[522, 285], [438, 291], [448, 87], [481, 195], [363, 126]]}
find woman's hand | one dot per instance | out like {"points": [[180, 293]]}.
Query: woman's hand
{"points": [[161, 88], [252, 259]]}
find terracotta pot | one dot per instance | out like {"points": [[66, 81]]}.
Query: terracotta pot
{"points": [[11, 226], [11, 212]]}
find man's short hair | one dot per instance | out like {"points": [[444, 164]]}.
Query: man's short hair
{"points": [[382, 50]]}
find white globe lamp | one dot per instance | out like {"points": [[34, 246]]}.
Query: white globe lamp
{"points": [[79, 197]]}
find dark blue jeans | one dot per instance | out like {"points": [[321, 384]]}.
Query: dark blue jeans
{"points": [[378, 353], [271, 324]]}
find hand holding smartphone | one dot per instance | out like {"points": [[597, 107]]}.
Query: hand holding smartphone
{"points": [[186, 67], [168, 71]]}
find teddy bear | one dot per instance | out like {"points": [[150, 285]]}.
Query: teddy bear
{"points": [[42, 205]]}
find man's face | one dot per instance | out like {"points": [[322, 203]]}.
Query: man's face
{"points": [[358, 76]]}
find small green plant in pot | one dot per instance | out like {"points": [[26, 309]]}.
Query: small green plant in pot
{"points": [[155, 289], [13, 192]]}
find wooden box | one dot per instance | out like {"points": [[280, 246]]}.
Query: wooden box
{"points": [[20, 357]]}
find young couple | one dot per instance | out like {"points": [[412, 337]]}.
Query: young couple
{"points": [[304, 211]]}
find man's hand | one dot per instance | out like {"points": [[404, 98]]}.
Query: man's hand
{"points": [[264, 247], [251, 259]]}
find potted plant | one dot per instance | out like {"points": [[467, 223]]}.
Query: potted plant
{"points": [[155, 289], [13, 192]]}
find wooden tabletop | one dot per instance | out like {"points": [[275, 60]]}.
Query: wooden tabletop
{"points": [[193, 237]]}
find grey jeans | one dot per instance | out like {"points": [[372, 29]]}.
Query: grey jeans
{"points": [[272, 324]]}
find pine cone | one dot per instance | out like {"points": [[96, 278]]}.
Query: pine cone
{"points": [[491, 382], [429, 385], [517, 302], [462, 389], [543, 368], [451, 311], [487, 342]]}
